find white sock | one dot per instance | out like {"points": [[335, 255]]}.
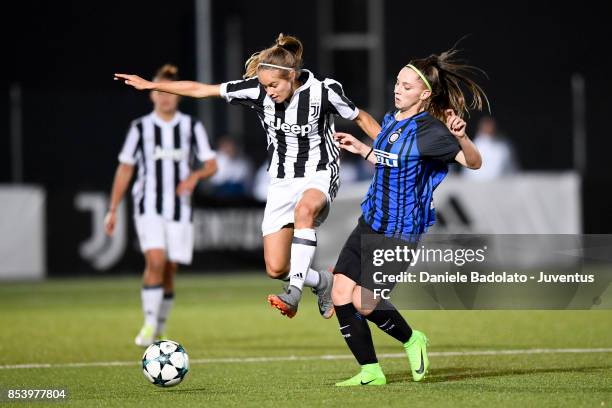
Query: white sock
{"points": [[303, 248], [164, 311], [151, 300], [312, 279]]}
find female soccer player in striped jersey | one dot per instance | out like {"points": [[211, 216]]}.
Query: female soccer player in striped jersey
{"points": [[410, 154], [161, 146], [297, 113]]}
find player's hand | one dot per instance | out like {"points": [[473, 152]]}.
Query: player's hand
{"points": [[187, 186], [109, 222], [135, 81], [455, 124], [349, 142]]}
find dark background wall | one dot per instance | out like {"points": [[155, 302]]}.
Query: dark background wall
{"points": [[63, 55]]}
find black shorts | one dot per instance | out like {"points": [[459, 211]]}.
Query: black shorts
{"points": [[358, 252]]}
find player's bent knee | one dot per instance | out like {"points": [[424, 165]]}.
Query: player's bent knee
{"points": [[156, 266], [304, 213], [341, 294], [363, 308], [364, 300]]}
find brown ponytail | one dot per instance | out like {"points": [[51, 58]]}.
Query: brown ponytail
{"points": [[286, 52], [168, 72], [447, 76]]}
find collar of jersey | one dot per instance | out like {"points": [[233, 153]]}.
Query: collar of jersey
{"points": [[415, 116], [159, 121], [301, 88]]}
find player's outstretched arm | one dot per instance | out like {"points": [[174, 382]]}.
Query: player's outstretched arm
{"points": [[368, 124], [184, 88]]}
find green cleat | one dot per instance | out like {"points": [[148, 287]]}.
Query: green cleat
{"points": [[371, 374], [416, 349]]}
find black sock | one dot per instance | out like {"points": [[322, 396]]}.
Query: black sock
{"points": [[356, 332], [389, 320]]}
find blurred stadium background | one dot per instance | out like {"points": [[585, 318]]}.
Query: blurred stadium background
{"points": [[64, 118]]}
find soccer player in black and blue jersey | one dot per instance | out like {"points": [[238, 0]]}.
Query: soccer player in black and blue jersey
{"points": [[411, 154]]}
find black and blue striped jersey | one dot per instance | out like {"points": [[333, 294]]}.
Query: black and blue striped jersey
{"points": [[412, 158]]}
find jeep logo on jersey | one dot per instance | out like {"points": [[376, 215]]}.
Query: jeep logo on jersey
{"points": [[386, 158], [278, 124], [172, 154]]}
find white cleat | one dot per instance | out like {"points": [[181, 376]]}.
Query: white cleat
{"points": [[146, 336]]}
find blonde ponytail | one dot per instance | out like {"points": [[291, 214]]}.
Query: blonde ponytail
{"points": [[250, 66]]}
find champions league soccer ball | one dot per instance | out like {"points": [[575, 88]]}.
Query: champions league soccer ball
{"points": [[165, 363]]}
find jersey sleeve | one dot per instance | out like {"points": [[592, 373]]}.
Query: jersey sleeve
{"points": [[202, 147], [339, 104], [130, 146], [242, 90], [439, 144]]}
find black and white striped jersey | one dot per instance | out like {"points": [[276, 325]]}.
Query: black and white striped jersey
{"points": [[299, 131], [163, 153]]}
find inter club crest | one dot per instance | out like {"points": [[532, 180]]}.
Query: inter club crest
{"points": [[394, 136]]}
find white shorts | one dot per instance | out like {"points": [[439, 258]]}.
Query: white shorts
{"points": [[284, 194], [155, 232]]}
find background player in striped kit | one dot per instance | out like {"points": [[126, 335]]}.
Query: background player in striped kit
{"points": [[297, 113], [411, 155], [162, 145]]}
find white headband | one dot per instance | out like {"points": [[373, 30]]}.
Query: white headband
{"points": [[273, 66]]}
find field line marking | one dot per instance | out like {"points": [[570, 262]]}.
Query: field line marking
{"points": [[314, 358]]}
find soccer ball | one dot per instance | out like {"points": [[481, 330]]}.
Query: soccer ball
{"points": [[165, 363]]}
